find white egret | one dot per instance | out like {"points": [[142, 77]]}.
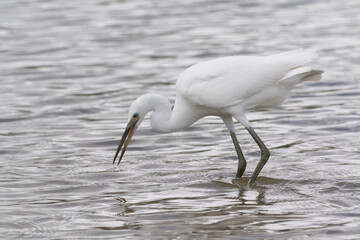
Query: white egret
{"points": [[226, 87]]}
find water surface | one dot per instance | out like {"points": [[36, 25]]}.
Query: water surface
{"points": [[69, 71]]}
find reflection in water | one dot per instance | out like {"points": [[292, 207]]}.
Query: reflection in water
{"points": [[124, 209], [69, 72]]}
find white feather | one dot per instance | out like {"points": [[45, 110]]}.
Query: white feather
{"points": [[227, 81]]}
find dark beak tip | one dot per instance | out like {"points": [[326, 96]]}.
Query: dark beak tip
{"points": [[125, 139]]}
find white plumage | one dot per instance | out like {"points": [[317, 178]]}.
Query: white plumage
{"points": [[226, 87], [227, 81]]}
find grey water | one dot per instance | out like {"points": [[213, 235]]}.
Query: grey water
{"points": [[69, 71]]}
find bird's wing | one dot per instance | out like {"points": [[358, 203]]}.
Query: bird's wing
{"points": [[227, 81]]}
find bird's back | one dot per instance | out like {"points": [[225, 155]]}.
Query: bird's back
{"points": [[226, 81]]}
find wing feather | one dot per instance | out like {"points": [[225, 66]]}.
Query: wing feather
{"points": [[227, 81]]}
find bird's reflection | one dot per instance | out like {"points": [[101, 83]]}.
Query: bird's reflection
{"points": [[123, 207], [254, 195]]}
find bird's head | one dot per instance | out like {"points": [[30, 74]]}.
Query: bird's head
{"points": [[137, 112]]}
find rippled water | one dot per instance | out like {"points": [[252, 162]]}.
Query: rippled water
{"points": [[70, 69]]}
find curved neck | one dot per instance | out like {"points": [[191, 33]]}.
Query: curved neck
{"points": [[163, 119]]}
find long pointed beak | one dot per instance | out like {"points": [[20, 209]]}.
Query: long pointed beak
{"points": [[126, 137]]}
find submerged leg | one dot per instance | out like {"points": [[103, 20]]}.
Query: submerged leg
{"points": [[241, 159], [265, 154]]}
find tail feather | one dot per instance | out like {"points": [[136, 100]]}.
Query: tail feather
{"points": [[313, 75], [301, 74]]}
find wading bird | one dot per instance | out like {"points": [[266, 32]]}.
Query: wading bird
{"points": [[226, 87]]}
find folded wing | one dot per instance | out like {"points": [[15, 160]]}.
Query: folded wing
{"points": [[227, 81]]}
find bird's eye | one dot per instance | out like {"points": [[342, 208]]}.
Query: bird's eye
{"points": [[136, 115]]}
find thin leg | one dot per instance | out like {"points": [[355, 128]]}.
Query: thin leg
{"points": [[265, 154], [242, 161]]}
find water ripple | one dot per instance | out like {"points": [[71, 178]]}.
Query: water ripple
{"points": [[70, 71]]}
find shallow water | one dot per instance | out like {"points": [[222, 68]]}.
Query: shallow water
{"points": [[69, 71]]}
